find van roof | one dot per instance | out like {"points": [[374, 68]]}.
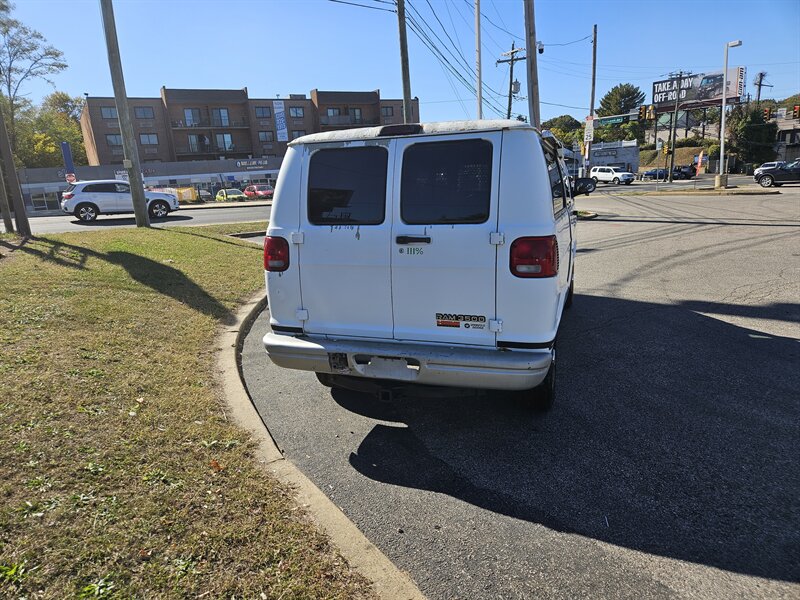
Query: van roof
{"points": [[443, 127]]}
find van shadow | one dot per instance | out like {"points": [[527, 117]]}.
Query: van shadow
{"points": [[673, 433]]}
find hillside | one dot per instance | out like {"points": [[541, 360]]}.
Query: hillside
{"points": [[652, 158]]}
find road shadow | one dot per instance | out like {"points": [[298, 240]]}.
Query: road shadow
{"points": [[158, 276], [673, 433], [110, 221]]}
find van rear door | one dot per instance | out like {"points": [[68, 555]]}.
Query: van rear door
{"points": [[344, 240], [445, 211]]}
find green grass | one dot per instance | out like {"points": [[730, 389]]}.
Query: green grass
{"points": [[120, 474]]}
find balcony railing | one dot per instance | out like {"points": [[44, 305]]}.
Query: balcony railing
{"points": [[214, 149], [345, 121], [232, 123]]}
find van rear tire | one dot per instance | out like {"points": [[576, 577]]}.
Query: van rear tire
{"points": [[541, 398]]}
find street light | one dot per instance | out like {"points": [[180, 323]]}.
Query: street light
{"points": [[723, 178]]}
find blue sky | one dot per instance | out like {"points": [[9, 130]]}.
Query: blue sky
{"points": [[292, 46]]}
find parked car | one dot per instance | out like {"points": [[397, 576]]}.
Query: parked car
{"points": [[203, 195], [655, 174], [777, 176], [259, 191], [88, 199], [613, 175], [426, 312], [683, 172], [768, 165], [227, 194]]}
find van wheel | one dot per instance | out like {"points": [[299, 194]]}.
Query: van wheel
{"points": [[595, 180], [542, 396], [86, 212], [325, 379], [570, 294]]}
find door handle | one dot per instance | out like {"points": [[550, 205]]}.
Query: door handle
{"points": [[412, 239]]}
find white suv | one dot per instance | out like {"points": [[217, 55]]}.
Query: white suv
{"points": [[613, 175], [87, 199]]}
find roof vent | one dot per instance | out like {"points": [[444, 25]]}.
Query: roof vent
{"points": [[405, 129]]}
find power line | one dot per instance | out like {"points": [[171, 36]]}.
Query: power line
{"points": [[365, 5]]}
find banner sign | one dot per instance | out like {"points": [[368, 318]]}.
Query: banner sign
{"points": [[280, 120], [699, 89]]}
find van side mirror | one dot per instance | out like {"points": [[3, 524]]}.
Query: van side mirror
{"points": [[583, 185]]}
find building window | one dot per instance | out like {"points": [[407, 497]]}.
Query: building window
{"points": [[108, 112], [263, 112], [355, 113], [191, 116], [144, 112], [296, 133], [265, 136], [148, 139], [334, 112], [296, 112], [219, 117], [387, 111], [114, 139], [224, 142]]}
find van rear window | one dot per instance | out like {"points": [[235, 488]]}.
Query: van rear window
{"points": [[347, 186], [447, 182]]}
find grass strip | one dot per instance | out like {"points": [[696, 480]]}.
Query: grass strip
{"points": [[120, 475]]}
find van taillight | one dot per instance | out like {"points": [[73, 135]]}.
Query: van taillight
{"points": [[276, 254], [67, 195], [534, 257]]}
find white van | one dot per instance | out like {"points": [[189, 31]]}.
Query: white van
{"points": [[438, 253]]}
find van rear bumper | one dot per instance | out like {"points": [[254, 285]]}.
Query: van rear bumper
{"points": [[483, 368]]}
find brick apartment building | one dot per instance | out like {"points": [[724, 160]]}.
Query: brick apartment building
{"points": [[183, 125]]}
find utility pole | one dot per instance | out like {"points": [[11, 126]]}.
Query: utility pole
{"points": [[20, 216], [478, 57], [401, 23], [533, 72], [759, 84], [131, 162], [5, 210], [513, 58], [588, 154]]}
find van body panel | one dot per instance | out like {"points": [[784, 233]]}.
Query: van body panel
{"points": [[443, 286], [530, 309], [345, 268], [283, 288]]}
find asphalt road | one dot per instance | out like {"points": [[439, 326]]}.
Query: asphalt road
{"points": [[668, 466], [189, 216]]}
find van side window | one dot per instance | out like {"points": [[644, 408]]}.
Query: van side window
{"points": [[556, 184], [446, 182], [347, 186]]}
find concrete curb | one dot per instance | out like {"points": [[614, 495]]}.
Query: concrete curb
{"points": [[389, 581], [709, 192]]}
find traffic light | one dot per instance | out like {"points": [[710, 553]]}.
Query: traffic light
{"points": [[767, 114], [796, 111], [642, 112], [665, 149], [651, 112]]}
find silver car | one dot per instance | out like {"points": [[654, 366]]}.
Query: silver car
{"points": [[88, 199]]}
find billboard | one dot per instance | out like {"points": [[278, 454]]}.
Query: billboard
{"points": [[699, 89]]}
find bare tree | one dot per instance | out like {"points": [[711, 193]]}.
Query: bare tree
{"points": [[24, 55]]}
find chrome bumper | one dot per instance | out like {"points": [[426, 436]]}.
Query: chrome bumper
{"points": [[483, 368]]}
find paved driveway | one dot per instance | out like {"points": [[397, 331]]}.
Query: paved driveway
{"points": [[667, 468]]}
